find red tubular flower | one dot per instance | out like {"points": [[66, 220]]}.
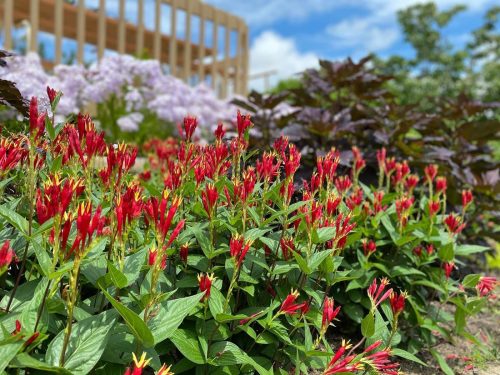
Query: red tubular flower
{"points": [[190, 124], [37, 122], [453, 223], [355, 199], [418, 251], [332, 204], [376, 291], [289, 306], [183, 253], [155, 211], [152, 256], [139, 365], [268, 167], [377, 201], [343, 183], [381, 157], [292, 160], [280, 146], [287, 247], [219, 132], [441, 185], [434, 207], [51, 93], [448, 267], [486, 285], [128, 207], [209, 198], [6, 256], [430, 172], [430, 249], [238, 249], [86, 226], [175, 233], [346, 365], [242, 123], [397, 302], [359, 162], [164, 370], [380, 360], [11, 153], [403, 207], [389, 166], [287, 190], [369, 247], [329, 313], [411, 182], [205, 284], [466, 198]]}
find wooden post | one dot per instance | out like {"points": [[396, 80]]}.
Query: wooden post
{"points": [[101, 43], [157, 40], [140, 28], [227, 52], [201, 46], [173, 38], [58, 30], [238, 68], [34, 19], [80, 31], [215, 47], [8, 20], [121, 26], [187, 44], [245, 61]]}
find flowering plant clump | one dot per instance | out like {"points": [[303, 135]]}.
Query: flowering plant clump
{"points": [[133, 98], [217, 261]]}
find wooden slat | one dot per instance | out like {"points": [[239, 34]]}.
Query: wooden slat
{"points": [[80, 31], [245, 61], [121, 26], [140, 28], [201, 46], [157, 41], [215, 48], [227, 51], [187, 45], [173, 36], [101, 43], [237, 66], [34, 18], [58, 30], [8, 20]]}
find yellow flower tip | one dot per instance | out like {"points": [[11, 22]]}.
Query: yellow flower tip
{"points": [[294, 293], [142, 362], [164, 370], [384, 281]]}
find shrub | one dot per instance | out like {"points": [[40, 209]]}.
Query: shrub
{"points": [[217, 262], [133, 98]]}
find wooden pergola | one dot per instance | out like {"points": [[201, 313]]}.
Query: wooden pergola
{"points": [[184, 58]]}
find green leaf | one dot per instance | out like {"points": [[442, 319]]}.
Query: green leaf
{"points": [[170, 316], [116, 276], [470, 281], [89, 338], [29, 313], [317, 258], [255, 233], [187, 343], [9, 349], [42, 257], [463, 250], [132, 267], [442, 362], [216, 302], [368, 325], [49, 127], [225, 353], [446, 252], [301, 262], [324, 234], [404, 354], [23, 360], [16, 220], [136, 325]]}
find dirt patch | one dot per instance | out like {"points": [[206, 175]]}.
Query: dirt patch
{"points": [[465, 357]]}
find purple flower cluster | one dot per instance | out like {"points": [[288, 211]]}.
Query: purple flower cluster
{"points": [[140, 84]]}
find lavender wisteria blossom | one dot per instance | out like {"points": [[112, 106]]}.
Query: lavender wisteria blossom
{"points": [[139, 85]]}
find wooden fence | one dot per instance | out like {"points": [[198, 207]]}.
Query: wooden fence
{"points": [[186, 59]]}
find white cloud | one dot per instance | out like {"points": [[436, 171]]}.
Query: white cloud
{"points": [[379, 29], [361, 33], [270, 51]]}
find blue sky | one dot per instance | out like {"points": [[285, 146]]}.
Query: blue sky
{"points": [[290, 35]]}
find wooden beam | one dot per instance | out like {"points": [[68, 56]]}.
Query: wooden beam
{"points": [[227, 52], [58, 30], [173, 36], [34, 18], [140, 28], [215, 47], [8, 20], [121, 26], [187, 45], [80, 31], [101, 42], [157, 41], [201, 46]]}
